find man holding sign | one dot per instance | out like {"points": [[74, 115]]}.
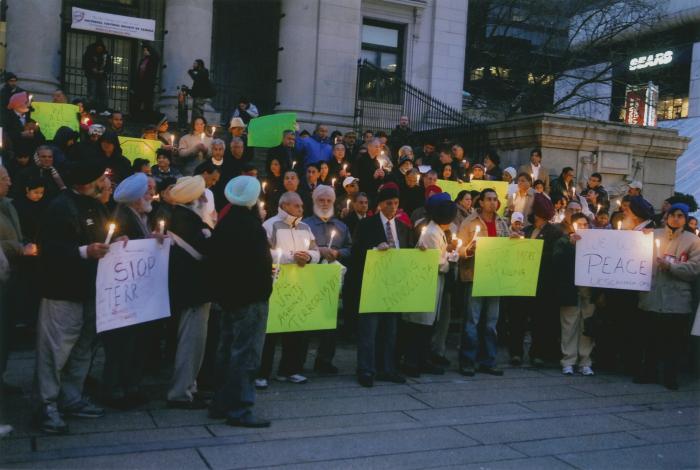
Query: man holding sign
{"points": [[377, 331], [485, 222], [240, 240]]}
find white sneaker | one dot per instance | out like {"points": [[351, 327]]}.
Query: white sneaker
{"points": [[567, 370], [586, 370], [261, 384], [5, 430], [295, 379]]}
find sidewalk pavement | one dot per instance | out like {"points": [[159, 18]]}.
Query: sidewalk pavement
{"points": [[527, 419]]}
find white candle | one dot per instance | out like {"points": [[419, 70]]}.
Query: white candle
{"points": [[330, 243], [85, 121], [307, 243], [418, 180], [573, 190], [619, 203], [201, 137], [471, 175], [161, 226], [476, 233], [658, 247], [213, 130], [31, 97], [575, 227], [0, 137], [110, 233], [294, 163], [345, 167], [348, 203], [261, 204], [279, 262], [597, 208], [333, 182], [264, 185], [619, 225], [172, 140]]}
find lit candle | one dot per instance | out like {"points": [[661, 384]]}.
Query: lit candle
{"points": [[85, 121], [213, 130], [201, 137], [532, 177], [264, 185], [418, 180], [619, 203], [172, 140], [279, 262], [294, 163], [161, 226], [333, 182], [330, 243], [697, 232], [619, 225], [422, 231], [573, 190], [31, 97], [348, 203], [476, 233], [112, 227], [307, 243], [459, 243], [597, 208], [345, 167], [471, 175], [575, 227], [658, 247], [0, 137]]}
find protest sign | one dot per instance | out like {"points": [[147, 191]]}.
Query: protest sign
{"points": [[266, 131], [304, 299], [132, 284], [51, 116], [453, 188], [117, 25], [506, 267], [614, 259], [399, 281], [133, 148]]}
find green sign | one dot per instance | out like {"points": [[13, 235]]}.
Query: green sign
{"points": [[52, 116], [453, 188], [266, 131], [133, 148], [506, 267], [399, 281], [304, 299]]}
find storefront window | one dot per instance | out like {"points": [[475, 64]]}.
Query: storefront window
{"points": [[672, 107]]}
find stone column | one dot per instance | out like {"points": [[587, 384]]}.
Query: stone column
{"points": [[694, 93], [33, 45], [189, 27]]}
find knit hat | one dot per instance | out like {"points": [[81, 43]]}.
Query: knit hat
{"points": [[517, 217], [641, 208], [441, 209], [18, 100], [680, 206], [478, 165], [86, 170], [236, 122], [131, 189], [388, 191], [349, 180], [511, 171], [432, 189], [542, 206], [188, 189], [323, 190], [242, 191]]}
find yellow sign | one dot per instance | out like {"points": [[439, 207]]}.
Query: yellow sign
{"points": [[453, 188], [506, 267], [133, 148]]}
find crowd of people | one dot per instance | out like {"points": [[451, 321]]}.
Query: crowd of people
{"points": [[321, 198]]}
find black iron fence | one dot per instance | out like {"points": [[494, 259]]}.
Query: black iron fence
{"points": [[382, 97]]}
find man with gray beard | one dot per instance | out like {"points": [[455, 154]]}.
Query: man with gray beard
{"points": [[333, 241], [125, 347]]}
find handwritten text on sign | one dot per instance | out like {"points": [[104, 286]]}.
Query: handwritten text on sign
{"points": [[304, 299], [132, 284], [614, 259], [399, 281], [506, 267], [52, 116]]}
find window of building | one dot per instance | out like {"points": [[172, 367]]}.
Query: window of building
{"points": [[533, 79], [672, 107], [476, 74], [499, 72], [382, 45]]}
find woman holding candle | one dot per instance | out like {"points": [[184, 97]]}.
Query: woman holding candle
{"points": [[194, 147], [668, 305]]}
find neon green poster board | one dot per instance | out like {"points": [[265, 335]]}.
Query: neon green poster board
{"points": [[266, 131], [51, 116], [304, 299], [399, 281], [505, 267], [453, 188], [133, 148]]}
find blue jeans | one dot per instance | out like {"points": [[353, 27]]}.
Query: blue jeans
{"points": [[238, 357], [480, 319], [376, 343]]}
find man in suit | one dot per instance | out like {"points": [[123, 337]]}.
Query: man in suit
{"points": [[536, 170], [289, 157], [377, 331]]}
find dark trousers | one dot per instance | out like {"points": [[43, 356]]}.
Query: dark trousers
{"points": [[294, 347], [663, 337], [416, 344], [124, 359], [326, 346], [238, 358], [541, 316], [376, 343], [621, 337]]}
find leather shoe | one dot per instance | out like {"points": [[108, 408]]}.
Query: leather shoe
{"points": [[393, 378], [365, 380], [248, 420], [466, 371], [491, 370]]}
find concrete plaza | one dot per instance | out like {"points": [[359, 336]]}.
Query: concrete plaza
{"points": [[527, 419]]}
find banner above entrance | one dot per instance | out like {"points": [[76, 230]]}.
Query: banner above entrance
{"points": [[116, 25]]}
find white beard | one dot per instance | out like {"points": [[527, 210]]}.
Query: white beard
{"points": [[323, 214]]}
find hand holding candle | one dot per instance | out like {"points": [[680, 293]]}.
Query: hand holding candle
{"points": [[330, 243]]}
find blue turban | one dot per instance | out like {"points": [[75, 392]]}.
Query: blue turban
{"points": [[243, 191], [641, 208], [680, 206], [131, 189]]}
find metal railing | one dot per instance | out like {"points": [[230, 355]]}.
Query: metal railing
{"points": [[382, 97]]}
